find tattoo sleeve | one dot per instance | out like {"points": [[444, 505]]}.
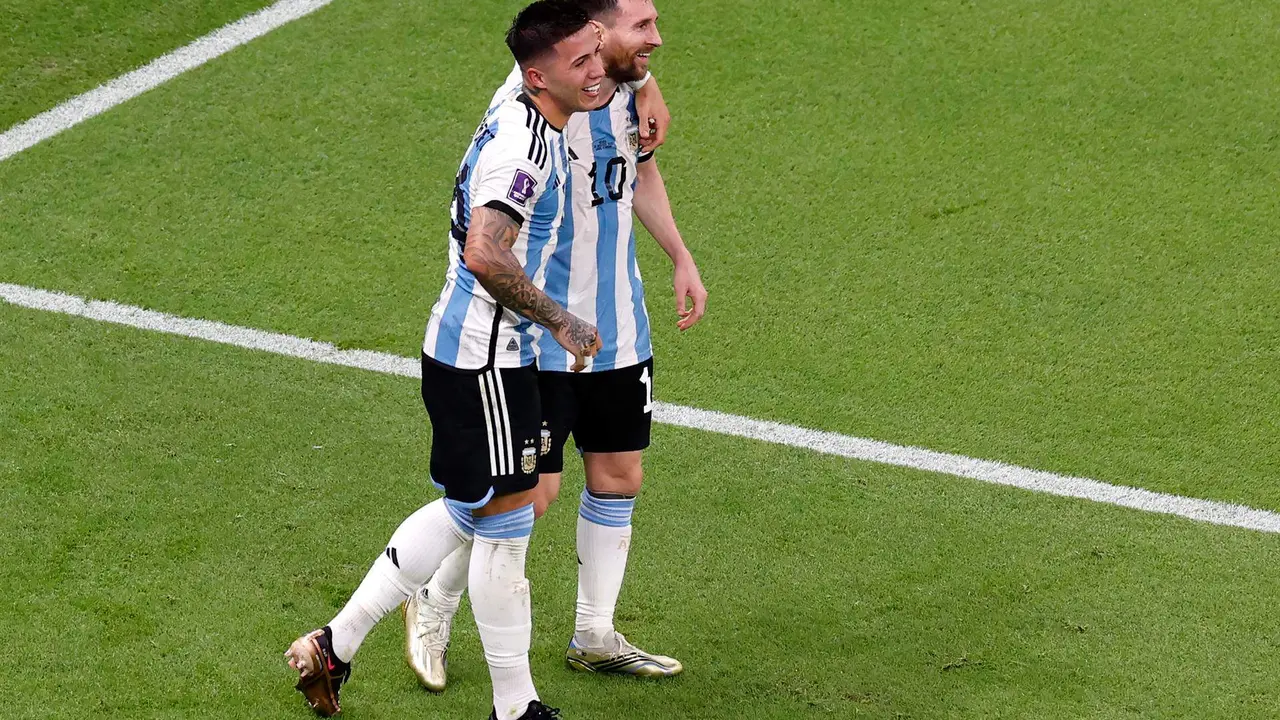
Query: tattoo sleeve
{"points": [[489, 242]]}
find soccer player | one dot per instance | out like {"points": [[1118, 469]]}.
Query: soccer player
{"points": [[607, 409], [478, 379]]}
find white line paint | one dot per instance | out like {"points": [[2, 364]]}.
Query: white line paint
{"points": [[158, 71], [828, 443]]}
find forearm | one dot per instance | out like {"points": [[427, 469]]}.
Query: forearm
{"points": [[653, 207], [509, 286], [488, 256]]}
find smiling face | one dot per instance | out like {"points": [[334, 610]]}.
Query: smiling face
{"points": [[572, 71], [631, 35]]}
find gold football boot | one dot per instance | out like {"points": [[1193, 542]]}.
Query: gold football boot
{"points": [[426, 641], [621, 658]]}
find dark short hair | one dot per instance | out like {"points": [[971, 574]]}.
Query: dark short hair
{"points": [[541, 25], [596, 9]]}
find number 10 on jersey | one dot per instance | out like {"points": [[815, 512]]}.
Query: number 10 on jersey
{"points": [[615, 180]]}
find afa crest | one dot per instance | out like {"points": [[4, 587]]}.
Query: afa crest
{"points": [[529, 460], [546, 442]]}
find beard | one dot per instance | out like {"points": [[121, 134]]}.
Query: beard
{"points": [[623, 68]]}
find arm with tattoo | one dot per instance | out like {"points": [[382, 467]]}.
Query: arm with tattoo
{"points": [[488, 256]]}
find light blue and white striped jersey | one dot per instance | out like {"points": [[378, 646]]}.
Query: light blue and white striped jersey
{"points": [[516, 164], [592, 270]]}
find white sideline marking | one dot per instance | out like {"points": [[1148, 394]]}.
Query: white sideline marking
{"points": [[988, 471], [162, 69]]}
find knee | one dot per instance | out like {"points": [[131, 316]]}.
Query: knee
{"points": [[617, 479]]}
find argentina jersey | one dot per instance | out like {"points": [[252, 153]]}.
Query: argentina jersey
{"points": [[592, 270], [516, 164]]}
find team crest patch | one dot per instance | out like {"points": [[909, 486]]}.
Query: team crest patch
{"points": [[529, 460], [522, 187], [546, 441]]}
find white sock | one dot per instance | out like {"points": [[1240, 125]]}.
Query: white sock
{"points": [[500, 603], [414, 552], [444, 592], [604, 539]]}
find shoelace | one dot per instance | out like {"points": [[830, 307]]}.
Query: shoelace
{"points": [[432, 632], [625, 647]]}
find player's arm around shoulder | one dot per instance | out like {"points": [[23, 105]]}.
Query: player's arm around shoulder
{"points": [[653, 114], [653, 207]]}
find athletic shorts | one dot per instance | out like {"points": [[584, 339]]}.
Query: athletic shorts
{"points": [[485, 430], [606, 412]]}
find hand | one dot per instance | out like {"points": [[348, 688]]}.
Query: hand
{"points": [[655, 118], [580, 338], [688, 285]]}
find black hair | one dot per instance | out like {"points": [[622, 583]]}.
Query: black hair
{"points": [[541, 25], [596, 9]]}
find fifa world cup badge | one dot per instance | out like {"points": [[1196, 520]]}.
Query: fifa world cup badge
{"points": [[529, 460]]}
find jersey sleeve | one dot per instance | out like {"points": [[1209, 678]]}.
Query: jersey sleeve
{"points": [[508, 174]]}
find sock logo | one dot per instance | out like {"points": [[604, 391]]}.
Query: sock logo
{"points": [[391, 555]]}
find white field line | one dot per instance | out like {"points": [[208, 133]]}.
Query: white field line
{"points": [[162, 69], [829, 443]]}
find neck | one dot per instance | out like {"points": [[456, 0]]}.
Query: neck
{"points": [[547, 105], [607, 86]]}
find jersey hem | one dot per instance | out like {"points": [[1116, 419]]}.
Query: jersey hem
{"points": [[593, 369], [495, 365]]}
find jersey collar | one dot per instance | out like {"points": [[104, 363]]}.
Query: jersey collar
{"points": [[522, 97]]}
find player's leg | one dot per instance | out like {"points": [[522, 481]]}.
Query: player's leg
{"points": [[429, 613], [604, 540], [417, 547], [322, 657], [428, 620], [497, 582], [612, 432]]}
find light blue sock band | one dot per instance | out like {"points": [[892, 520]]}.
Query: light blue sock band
{"points": [[504, 526], [461, 515], [609, 512]]}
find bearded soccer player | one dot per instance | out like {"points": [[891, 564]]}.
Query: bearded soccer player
{"points": [[608, 408], [478, 378]]}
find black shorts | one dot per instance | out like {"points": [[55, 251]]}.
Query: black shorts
{"points": [[485, 430], [606, 412]]}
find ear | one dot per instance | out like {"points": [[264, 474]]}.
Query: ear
{"points": [[534, 78], [599, 29]]}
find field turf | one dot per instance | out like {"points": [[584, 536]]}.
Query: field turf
{"points": [[1035, 232]]}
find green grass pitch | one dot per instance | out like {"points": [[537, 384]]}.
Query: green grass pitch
{"points": [[1036, 232]]}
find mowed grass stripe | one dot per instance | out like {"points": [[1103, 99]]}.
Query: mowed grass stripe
{"points": [[55, 50], [168, 500], [162, 69], [818, 441]]}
